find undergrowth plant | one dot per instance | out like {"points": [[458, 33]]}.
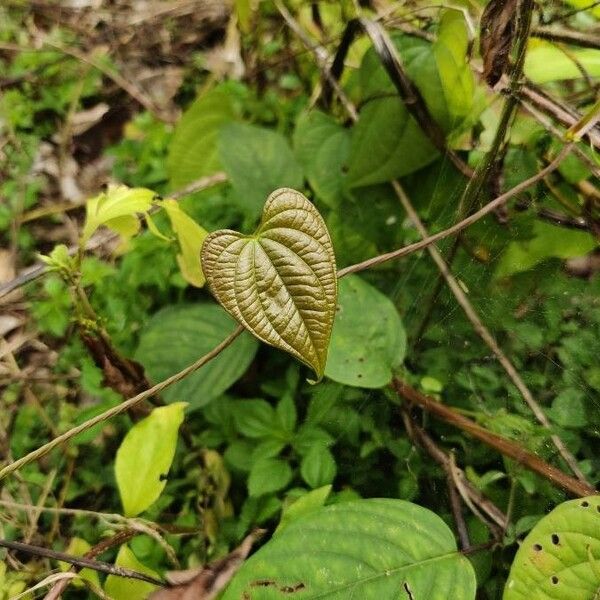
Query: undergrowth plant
{"points": [[379, 367]]}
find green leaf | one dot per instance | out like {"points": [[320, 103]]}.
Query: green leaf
{"points": [[367, 549], [193, 150], [368, 339], [318, 467], [116, 208], [280, 283], [307, 503], [451, 50], [386, 143], [549, 241], [322, 147], [268, 475], [145, 456], [257, 161], [556, 559], [546, 62], [190, 237], [568, 408], [122, 588], [178, 335], [254, 418]]}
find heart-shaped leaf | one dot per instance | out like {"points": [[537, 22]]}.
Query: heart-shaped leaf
{"points": [[280, 282]]}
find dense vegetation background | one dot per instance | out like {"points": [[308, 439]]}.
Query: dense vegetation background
{"points": [[218, 105]]}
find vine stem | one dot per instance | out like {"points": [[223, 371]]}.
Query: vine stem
{"points": [[117, 410], [428, 240]]}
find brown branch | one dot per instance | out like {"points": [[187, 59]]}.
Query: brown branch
{"points": [[567, 36], [81, 562], [116, 540], [506, 447]]}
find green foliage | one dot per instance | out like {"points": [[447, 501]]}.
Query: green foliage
{"points": [[257, 161], [193, 149], [368, 340], [178, 335], [547, 241], [334, 556], [548, 62], [121, 588], [145, 456], [560, 556], [263, 445]]}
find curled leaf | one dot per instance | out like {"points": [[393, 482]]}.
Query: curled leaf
{"points": [[190, 236], [116, 208], [496, 38], [280, 282]]}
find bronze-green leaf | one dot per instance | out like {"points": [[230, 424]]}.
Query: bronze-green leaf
{"points": [[280, 282]]}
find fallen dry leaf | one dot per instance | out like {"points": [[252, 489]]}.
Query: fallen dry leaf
{"points": [[204, 583]]}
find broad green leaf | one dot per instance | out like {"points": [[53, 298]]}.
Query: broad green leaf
{"points": [[178, 335], [386, 143], [322, 147], [280, 282], [190, 237], [318, 467], [116, 208], [549, 241], [557, 560], [257, 161], [368, 339], [450, 50], [145, 456], [368, 549], [193, 150], [78, 547], [307, 503], [546, 62], [268, 475], [122, 588]]}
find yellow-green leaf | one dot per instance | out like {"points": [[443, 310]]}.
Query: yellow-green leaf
{"points": [[145, 456], [117, 208], [122, 588], [280, 282], [190, 236], [78, 547]]}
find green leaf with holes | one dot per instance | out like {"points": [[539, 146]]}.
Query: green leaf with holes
{"points": [[280, 282], [559, 558], [145, 456], [178, 335], [367, 549], [368, 339]]}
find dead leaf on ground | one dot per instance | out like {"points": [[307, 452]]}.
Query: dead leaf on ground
{"points": [[204, 583], [496, 38]]}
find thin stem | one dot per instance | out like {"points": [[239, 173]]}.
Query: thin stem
{"points": [[117, 410], [476, 216], [80, 561]]}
